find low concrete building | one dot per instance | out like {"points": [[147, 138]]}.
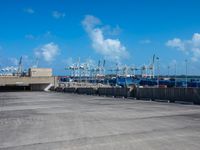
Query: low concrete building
{"points": [[38, 79], [32, 83], [40, 72]]}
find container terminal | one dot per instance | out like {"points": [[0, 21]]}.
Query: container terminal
{"points": [[122, 80], [92, 109]]}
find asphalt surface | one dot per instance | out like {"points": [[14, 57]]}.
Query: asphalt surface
{"points": [[59, 121]]}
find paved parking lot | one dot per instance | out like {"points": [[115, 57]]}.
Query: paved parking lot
{"points": [[60, 121]]}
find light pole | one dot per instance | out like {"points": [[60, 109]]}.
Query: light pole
{"points": [[186, 72], [175, 75], [158, 71], [168, 68]]}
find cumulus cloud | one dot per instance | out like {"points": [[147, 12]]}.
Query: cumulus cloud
{"points": [[196, 40], [108, 30], [191, 47], [111, 49], [58, 15], [47, 51], [176, 43], [29, 10]]}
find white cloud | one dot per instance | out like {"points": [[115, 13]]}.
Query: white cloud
{"points": [[176, 43], [108, 30], [196, 54], [29, 10], [147, 41], [196, 40], [191, 47], [47, 51], [111, 49], [58, 15]]}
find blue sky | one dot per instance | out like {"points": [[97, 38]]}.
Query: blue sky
{"points": [[58, 32]]}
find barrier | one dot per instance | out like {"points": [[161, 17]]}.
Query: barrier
{"points": [[115, 91], [69, 90], [86, 90], [107, 91], [59, 89], [171, 94], [14, 88]]}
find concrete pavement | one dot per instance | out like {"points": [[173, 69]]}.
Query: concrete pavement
{"points": [[60, 121]]}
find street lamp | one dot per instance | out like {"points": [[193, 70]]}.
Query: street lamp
{"points": [[168, 68], [186, 72], [175, 75], [158, 71]]}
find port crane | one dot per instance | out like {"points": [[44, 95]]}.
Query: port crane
{"points": [[20, 69], [87, 70], [151, 67], [148, 70]]}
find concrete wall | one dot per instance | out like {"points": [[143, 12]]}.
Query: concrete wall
{"points": [[171, 94], [38, 87], [114, 91], [14, 88], [59, 89], [70, 90], [87, 90]]}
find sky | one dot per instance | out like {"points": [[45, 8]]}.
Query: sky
{"points": [[58, 33]]}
